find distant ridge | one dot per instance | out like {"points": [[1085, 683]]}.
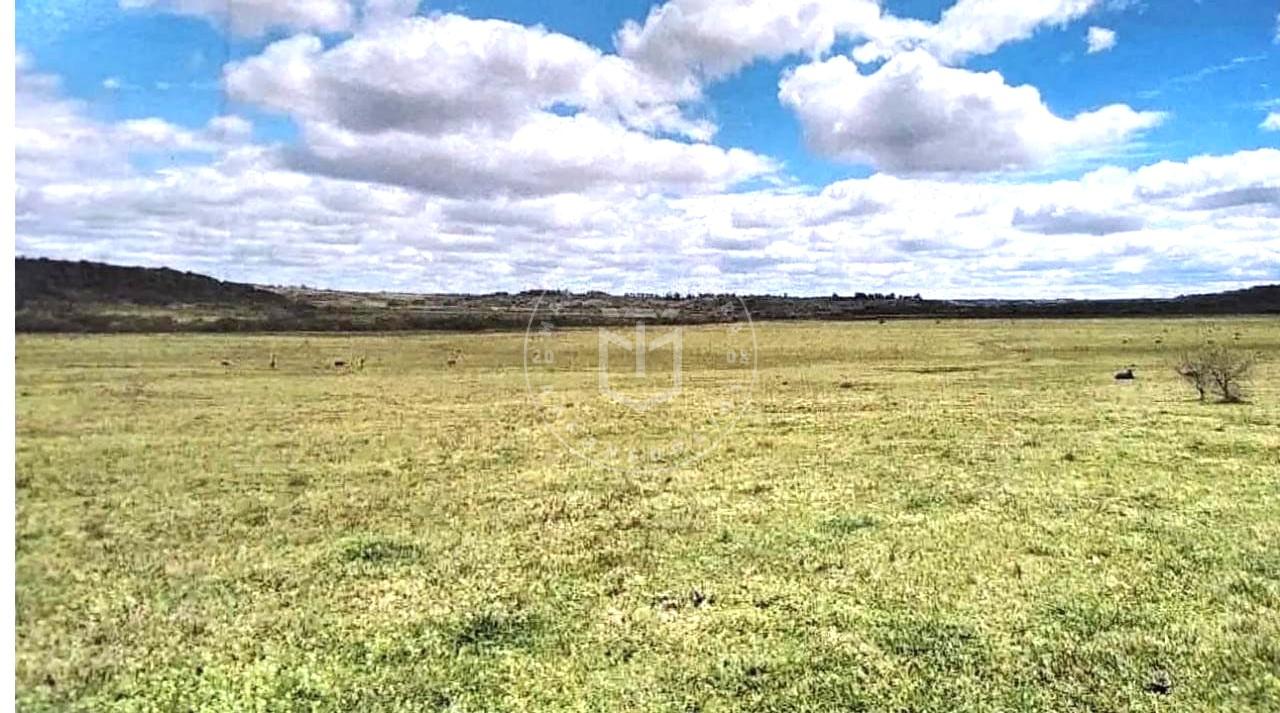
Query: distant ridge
{"points": [[39, 279], [70, 296]]}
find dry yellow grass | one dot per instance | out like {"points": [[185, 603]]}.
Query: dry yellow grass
{"points": [[909, 516]]}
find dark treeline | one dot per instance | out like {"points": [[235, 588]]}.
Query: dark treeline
{"points": [[63, 296]]}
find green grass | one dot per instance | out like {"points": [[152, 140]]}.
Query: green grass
{"points": [[914, 516]]}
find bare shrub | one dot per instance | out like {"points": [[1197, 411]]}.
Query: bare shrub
{"points": [[1218, 370]]}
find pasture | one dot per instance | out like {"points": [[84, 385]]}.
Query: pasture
{"points": [[910, 516]]}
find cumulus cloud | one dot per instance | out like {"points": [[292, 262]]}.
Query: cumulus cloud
{"points": [[1060, 221], [1251, 196], [450, 72], [254, 18], [916, 115], [458, 106], [546, 154], [714, 38], [246, 216], [1199, 176], [973, 27], [54, 136], [1100, 39], [976, 27], [910, 115], [1271, 123], [449, 154]]}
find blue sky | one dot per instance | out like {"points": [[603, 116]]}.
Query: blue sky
{"points": [[710, 111]]}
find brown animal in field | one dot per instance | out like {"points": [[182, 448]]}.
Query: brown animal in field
{"points": [[225, 362], [339, 363]]}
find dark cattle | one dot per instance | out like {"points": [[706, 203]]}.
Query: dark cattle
{"points": [[1125, 375], [338, 363]]}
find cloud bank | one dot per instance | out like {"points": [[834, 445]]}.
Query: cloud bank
{"points": [[446, 153]]}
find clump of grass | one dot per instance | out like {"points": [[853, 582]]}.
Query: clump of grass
{"points": [[925, 500], [937, 642], [374, 550], [487, 631], [849, 524]]}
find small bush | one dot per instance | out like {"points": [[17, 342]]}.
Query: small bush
{"points": [[1218, 370]]}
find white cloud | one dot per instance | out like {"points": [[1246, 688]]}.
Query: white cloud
{"points": [[245, 216], [1072, 221], [458, 106], [229, 129], [253, 18], [545, 155], [1271, 123], [1100, 39], [974, 27], [448, 154], [714, 38], [916, 115], [55, 137], [451, 72], [1201, 176]]}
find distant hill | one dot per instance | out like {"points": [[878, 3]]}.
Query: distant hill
{"points": [[66, 296], [71, 296], [41, 279]]}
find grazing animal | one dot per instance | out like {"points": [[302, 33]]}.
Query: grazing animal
{"points": [[226, 362], [452, 361], [339, 363], [1125, 375]]}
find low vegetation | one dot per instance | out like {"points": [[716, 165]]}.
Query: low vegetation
{"points": [[954, 516]]}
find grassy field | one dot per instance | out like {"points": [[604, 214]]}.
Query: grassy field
{"points": [[913, 516]]}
